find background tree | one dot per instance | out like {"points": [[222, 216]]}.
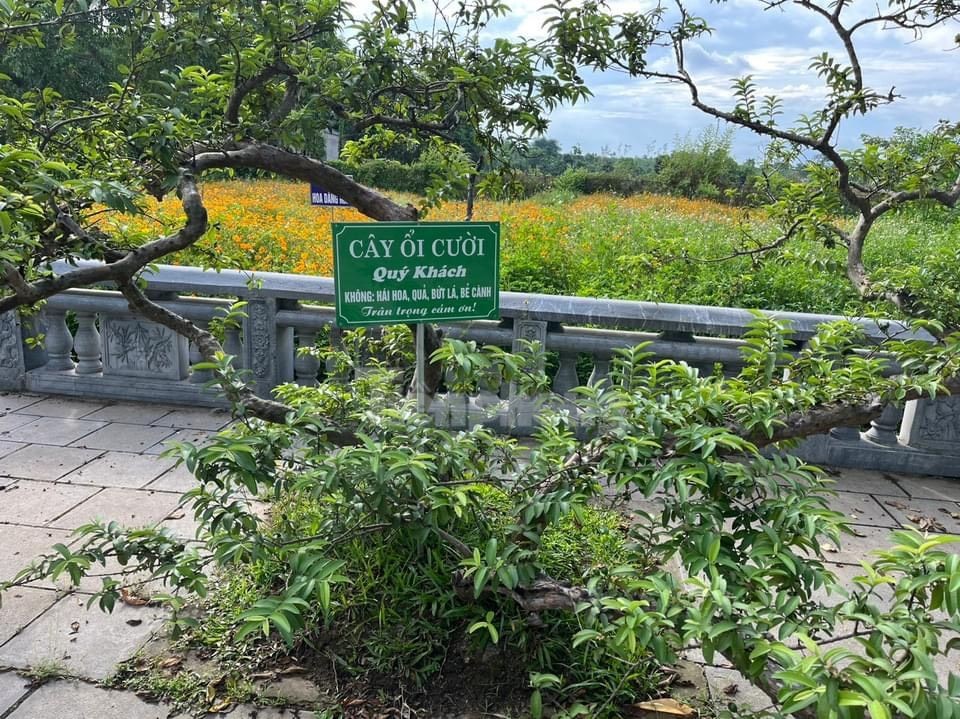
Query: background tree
{"points": [[872, 181], [262, 78], [231, 85]]}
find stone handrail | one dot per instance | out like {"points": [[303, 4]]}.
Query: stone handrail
{"points": [[106, 352]]}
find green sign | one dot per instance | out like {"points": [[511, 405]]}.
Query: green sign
{"points": [[396, 272]]}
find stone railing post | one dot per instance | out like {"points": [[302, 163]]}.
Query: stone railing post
{"points": [[286, 353], [260, 344], [233, 345], [883, 430], [87, 344], [12, 366], [306, 365], [336, 342], [59, 341], [198, 376], [566, 378], [601, 370]]}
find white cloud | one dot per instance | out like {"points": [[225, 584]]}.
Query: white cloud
{"points": [[775, 46], [938, 99]]}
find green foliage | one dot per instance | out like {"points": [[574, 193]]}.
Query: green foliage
{"points": [[590, 183], [703, 167], [412, 536], [194, 78]]}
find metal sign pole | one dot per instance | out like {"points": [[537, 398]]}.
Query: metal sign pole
{"points": [[421, 368]]}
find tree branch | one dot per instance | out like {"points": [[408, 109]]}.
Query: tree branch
{"points": [[273, 159], [232, 114], [123, 269]]}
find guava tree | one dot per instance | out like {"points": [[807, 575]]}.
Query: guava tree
{"points": [[880, 176], [746, 526], [231, 86]]}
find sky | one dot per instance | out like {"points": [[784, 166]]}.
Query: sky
{"points": [[630, 116]]}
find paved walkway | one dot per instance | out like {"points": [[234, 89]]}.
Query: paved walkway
{"points": [[64, 462]]}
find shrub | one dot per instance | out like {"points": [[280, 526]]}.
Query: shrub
{"points": [[403, 533], [592, 183]]}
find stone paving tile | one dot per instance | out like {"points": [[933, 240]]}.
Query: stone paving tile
{"points": [[12, 689], [64, 407], [249, 711], [177, 479], [53, 430], [195, 419], [21, 545], [10, 447], [862, 509], [38, 461], [727, 686], [124, 437], [40, 502], [856, 547], [860, 480], [87, 643], [182, 523], [14, 402], [917, 511], [130, 413], [77, 700], [129, 507], [21, 605], [9, 422], [120, 469], [192, 436], [931, 487]]}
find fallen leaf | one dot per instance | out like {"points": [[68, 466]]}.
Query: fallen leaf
{"points": [[212, 688], [171, 662], [926, 524], [731, 689], [220, 706], [176, 514], [895, 504], [292, 669], [134, 622], [132, 600], [656, 708], [929, 524], [829, 548]]}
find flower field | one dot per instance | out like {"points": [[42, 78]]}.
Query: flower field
{"points": [[646, 247]]}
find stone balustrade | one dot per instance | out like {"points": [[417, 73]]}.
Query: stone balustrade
{"points": [[93, 346]]}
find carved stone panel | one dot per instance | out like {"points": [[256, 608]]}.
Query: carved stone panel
{"points": [[933, 425], [11, 353], [137, 348], [529, 330], [260, 344]]}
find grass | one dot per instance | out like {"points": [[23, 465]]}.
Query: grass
{"points": [[397, 627], [646, 247], [45, 671]]}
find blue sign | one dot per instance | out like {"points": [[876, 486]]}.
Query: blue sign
{"points": [[319, 196]]}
